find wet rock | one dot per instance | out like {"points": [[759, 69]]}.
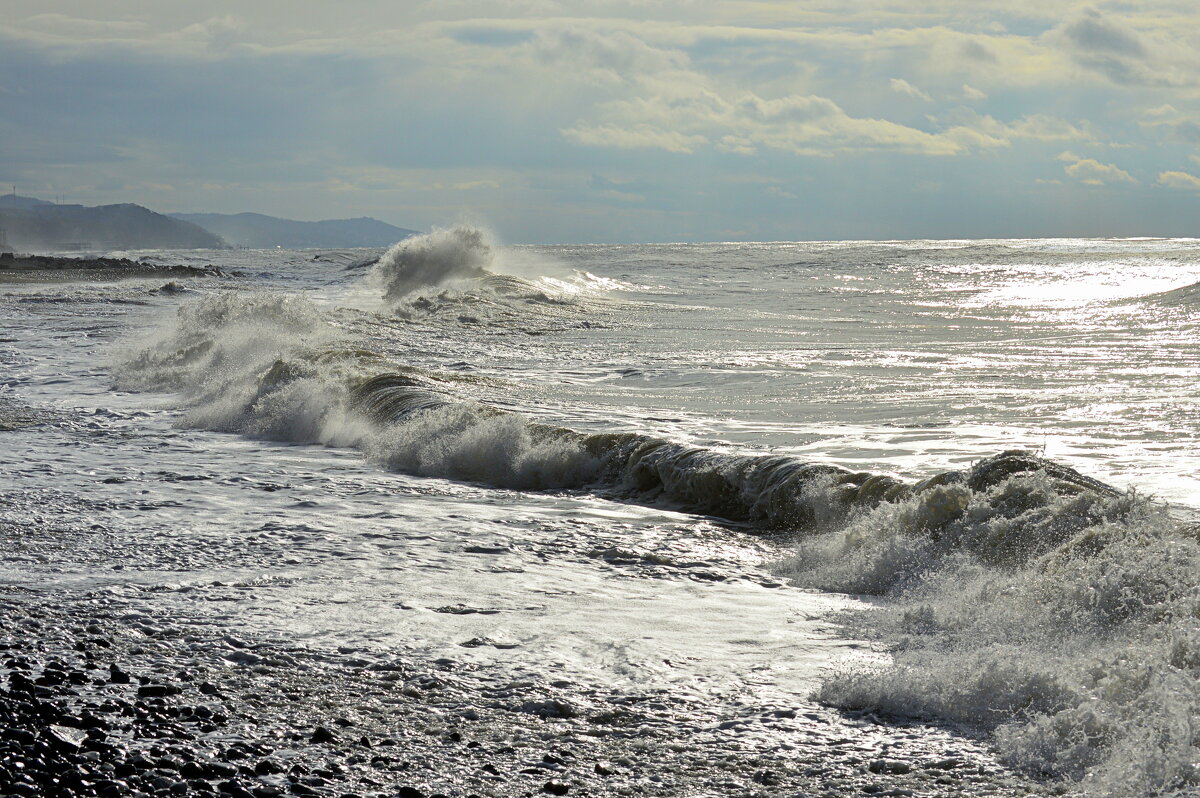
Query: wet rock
{"points": [[408, 792], [220, 770], [549, 708], [889, 767], [65, 737], [322, 735], [158, 690]]}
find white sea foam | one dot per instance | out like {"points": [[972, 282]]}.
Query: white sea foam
{"points": [[1066, 622]]}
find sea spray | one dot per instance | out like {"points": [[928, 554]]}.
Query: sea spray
{"points": [[1064, 621], [432, 260]]}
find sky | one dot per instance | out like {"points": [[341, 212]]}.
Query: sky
{"points": [[577, 121]]}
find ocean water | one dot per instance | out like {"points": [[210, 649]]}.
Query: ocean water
{"points": [[767, 471]]}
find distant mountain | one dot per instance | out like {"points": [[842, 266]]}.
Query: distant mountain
{"points": [[32, 225], [258, 231], [9, 201]]}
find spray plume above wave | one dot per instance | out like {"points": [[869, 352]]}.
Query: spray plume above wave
{"points": [[429, 261], [457, 274]]}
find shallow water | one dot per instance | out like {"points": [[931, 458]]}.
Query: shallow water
{"points": [[563, 472]]}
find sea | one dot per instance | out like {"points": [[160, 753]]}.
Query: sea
{"points": [[950, 481]]}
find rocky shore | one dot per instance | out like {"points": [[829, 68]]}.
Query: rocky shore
{"points": [[102, 700], [44, 268]]}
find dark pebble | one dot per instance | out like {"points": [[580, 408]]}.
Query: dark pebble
{"points": [[220, 770], [192, 770], [409, 792], [157, 690], [889, 767], [235, 789], [556, 788], [322, 735]]}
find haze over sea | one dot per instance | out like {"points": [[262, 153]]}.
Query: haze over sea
{"points": [[729, 475]]}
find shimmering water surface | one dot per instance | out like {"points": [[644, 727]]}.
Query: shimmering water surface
{"points": [[567, 458]]}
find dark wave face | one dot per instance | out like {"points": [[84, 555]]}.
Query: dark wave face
{"points": [[1188, 295]]}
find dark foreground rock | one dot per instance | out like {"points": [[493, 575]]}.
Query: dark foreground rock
{"points": [[41, 268]]}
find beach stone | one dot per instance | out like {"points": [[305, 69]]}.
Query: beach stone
{"points": [[556, 788], [66, 737], [322, 735], [889, 767], [158, 690], [408, 792], [220, 770], [235, 789]]}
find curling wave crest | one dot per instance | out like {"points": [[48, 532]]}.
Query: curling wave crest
{"points": [[457, 275]]}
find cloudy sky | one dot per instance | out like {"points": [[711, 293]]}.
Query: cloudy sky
{"points": [[618, 120]]}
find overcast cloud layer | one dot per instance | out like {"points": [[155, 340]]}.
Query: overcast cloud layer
{"points": [[619, 120]]}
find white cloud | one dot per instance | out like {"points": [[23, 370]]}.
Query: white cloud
{"points": [[904, 87], [1176, 124], [1181, 180], [973, 94], [800, 124], [632, 138], [1093, 173], [979, 131], [1130, 51]]}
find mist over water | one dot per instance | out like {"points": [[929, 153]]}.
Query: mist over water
{"points": [[994, 441]]}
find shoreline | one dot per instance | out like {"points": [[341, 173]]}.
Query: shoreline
{"points": [[113, 700], [54, 268]]}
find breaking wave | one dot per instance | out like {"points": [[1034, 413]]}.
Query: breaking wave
{"points": [[1023, 597], [1187, 295], [273, 367], [1063, 617], [457, 275], [443, 256]]}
